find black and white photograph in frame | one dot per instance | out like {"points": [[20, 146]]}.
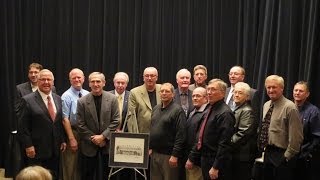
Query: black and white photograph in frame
{"points": [[129, 150]]}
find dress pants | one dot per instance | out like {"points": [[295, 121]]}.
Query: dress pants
{"points": [[275, 165], [308, 168], [241, 170], [96, 167], [160, 169], [194, 174], [206, 164], [70, 160]]}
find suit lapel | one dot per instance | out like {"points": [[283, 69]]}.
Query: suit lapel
{"points": [[227, 94], [42, 105], [57, 104], [125, 101], [158, 93], [177, 96], [145, 97]]}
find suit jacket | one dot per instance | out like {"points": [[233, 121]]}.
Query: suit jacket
{"points": [[22, 90], [88, 124], [139, 109], [244, 140], [177, 100], [124, 107], [36, 127]]}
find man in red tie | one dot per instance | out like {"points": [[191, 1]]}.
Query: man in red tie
{"points": [[213, 144], [41, 132]]}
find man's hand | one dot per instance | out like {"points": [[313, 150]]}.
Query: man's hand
{"points": [[213, 173], [150, 152], [173, 162], [102, 144], [97, 139], [30, 152], [63, 146], [189, 165], [73, 144]]}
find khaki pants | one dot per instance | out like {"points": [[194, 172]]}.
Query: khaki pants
{"points": [[160, 169], [194, 174], [70, 161]]}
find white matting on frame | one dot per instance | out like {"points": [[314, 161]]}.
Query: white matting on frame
{"points": [[129, 150]]}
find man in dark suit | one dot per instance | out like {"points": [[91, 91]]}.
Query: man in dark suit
{"points": [[120, 82], [98, 116], [40, 131], [236, 74], [183, 95], [30, 86], [14, 160]]}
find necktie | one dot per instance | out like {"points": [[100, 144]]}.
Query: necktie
{"points": [[263, 139], [51, 109], [80, 95], [230, 103], [203, 125], [184, 102], [120, 103]]}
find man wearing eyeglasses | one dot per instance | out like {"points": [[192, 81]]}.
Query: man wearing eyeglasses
{"points": [[214, 135], [41, 132], [200, 103], [142, 99], [237, 74]]}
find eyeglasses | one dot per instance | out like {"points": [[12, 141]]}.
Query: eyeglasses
{"points": [[212, 89], [197, 96], [45, 79], [234, 73], [149, 75], [238, 92]]}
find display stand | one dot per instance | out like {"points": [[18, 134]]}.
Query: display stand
{"points": [[129, 150], [114, 171]]}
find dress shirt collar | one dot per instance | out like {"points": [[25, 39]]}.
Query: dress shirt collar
{"points": [[117, 94], [44, 96]]}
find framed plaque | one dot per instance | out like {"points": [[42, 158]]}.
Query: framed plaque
{"points": [[129, 150]]}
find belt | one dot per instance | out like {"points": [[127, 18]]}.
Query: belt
{"points": [[275, 148]]}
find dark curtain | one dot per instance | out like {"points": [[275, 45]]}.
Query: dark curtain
{"points": [[264, 36]]}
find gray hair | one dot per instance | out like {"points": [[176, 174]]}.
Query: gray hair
{"points": [[244, 86], [222, 85], [275, 78]]}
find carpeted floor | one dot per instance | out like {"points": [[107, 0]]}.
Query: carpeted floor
{"points": [[2, 175]]}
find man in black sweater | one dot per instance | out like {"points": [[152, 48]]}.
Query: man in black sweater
{"points": [[167, 136]]}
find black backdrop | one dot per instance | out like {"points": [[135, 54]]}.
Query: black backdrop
{"points": [[264, 36]]}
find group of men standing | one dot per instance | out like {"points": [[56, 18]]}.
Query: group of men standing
{"points": [[197, 131]]}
